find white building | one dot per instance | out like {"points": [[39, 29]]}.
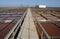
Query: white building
{"points": [[42, 6]]}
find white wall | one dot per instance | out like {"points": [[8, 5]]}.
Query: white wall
{"points": [[42, 6]]}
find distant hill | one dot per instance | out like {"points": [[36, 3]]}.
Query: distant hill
{"points": [[53, 7]]}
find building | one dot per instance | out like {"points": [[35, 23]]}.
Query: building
{"points": [[42, 6]]}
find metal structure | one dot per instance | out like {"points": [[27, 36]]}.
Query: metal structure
{"points": [[14, 30]]}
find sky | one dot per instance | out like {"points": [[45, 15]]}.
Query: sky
{"points": [[17, 3]]}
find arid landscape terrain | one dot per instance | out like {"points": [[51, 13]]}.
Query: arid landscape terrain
{"points": [[46, 20], [49, 19], [8, 19]]}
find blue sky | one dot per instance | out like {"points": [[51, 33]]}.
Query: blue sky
{"points": [[16, 3]]}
